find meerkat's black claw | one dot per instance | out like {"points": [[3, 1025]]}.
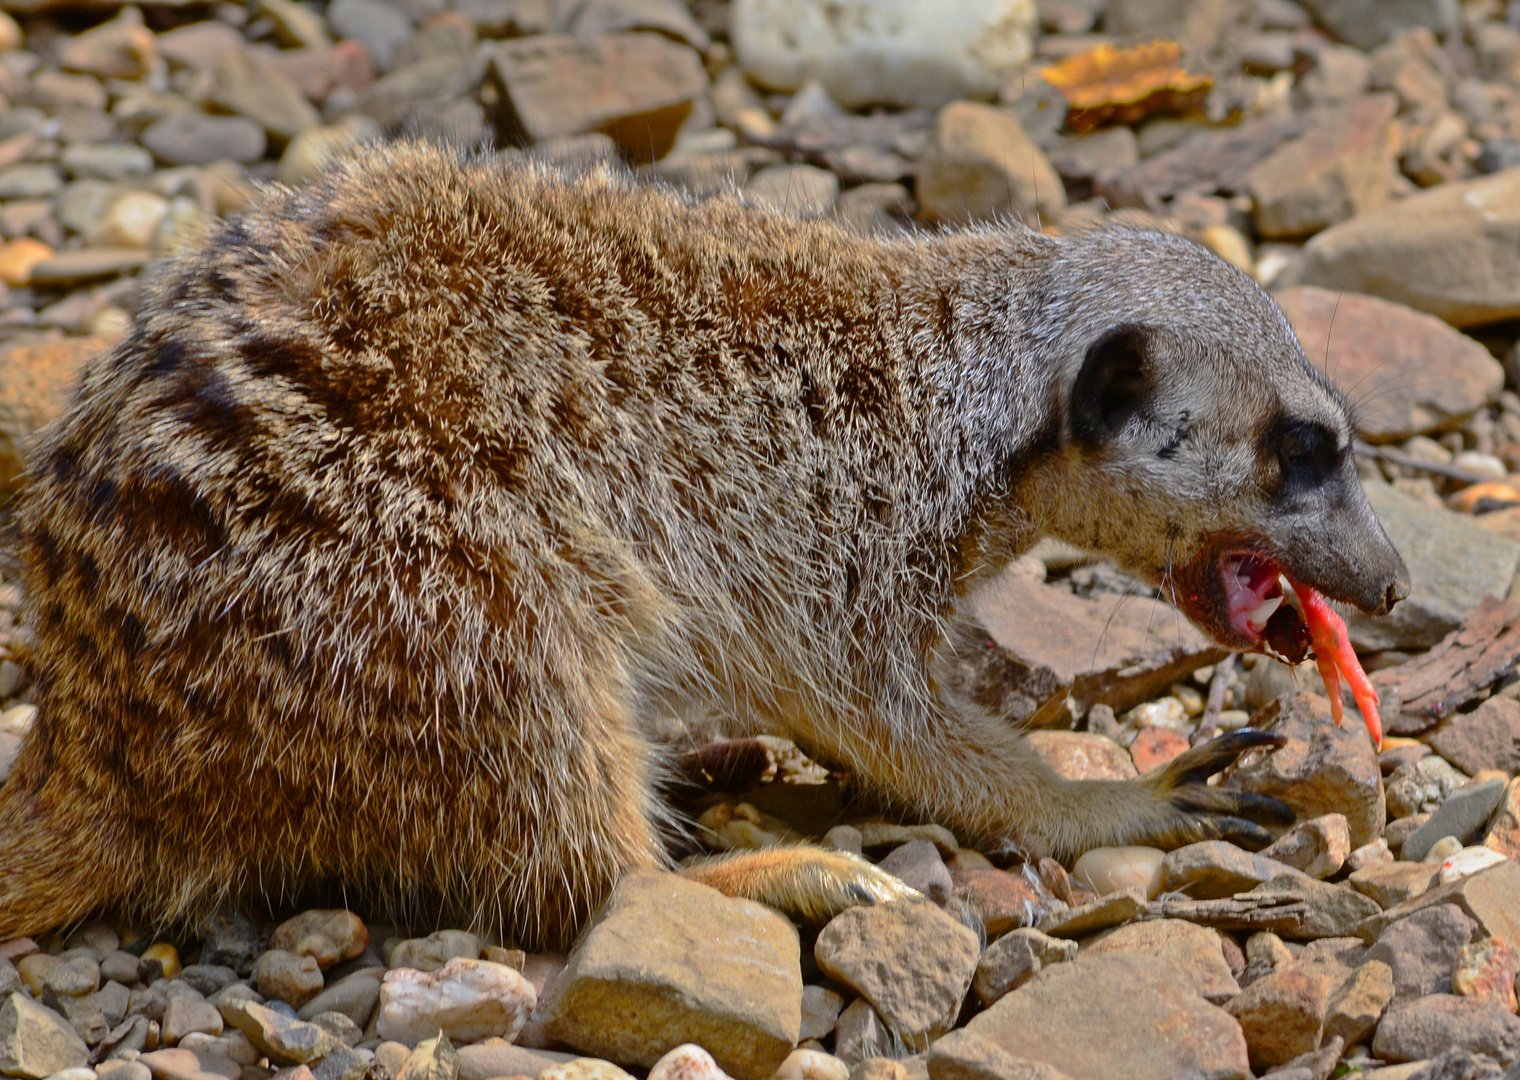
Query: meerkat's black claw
{"points": [[1238, 831]]}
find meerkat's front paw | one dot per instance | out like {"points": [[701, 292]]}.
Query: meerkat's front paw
{"points": [[810, 883], [1194, 811]]}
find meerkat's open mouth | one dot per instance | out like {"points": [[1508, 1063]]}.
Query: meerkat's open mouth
{"points": [[1263, 604]]}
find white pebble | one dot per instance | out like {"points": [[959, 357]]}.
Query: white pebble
{"points": [[1167, 712], [687, 1062], [1469, 861], [469, 1000], [1109, 869], [810, 1065]]}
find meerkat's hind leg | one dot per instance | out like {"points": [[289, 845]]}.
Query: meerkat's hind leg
{"points": [[1208, 813], [810, 883]]}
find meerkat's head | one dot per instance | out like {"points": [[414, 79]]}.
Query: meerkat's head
{"points": [[1200, 448]]}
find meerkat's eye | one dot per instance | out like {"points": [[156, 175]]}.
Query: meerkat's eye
{"points": [[1306, 453]]}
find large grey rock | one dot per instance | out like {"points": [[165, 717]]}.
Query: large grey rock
{"points": [[1452, 563], [1343, 165], [1408, 372], [1101, 1017], [894, 52], [909, 959], [1464, 812], [676, 962], [1453, 251], [636, 88], [1424, 1027], [1368, 23], [1422, 949], [35, 1041], [981, 164]]}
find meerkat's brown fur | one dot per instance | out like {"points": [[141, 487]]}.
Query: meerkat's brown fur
{"points": [[414, 494]]}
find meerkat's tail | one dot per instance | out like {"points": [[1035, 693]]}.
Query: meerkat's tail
{"points": [[50, 870], [810, 883]]}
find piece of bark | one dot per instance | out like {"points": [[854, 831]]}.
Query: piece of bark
{"points": [[1470, 659]]}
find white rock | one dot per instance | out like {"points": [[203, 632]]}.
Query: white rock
{"points": [[469, 1000], [1467, 862], [15, 722], [687, 1062], [130, 221], [1166, 712], [810, 1065], [892, 52]]}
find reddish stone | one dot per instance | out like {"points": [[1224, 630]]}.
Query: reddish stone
{"points": [[1154, 747], [1485, 970]]}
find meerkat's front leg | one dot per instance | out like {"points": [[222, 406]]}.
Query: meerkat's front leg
{"points": [[979, 776]]}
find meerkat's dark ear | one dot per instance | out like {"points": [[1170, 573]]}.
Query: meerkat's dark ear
{"points": [[1112, 385]]}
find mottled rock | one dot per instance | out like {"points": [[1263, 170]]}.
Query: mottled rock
{"points": [[1485, 971], [918, 864], [1424, 1027], [1323, 769], [1066, 1018], [288, 977], [1503, 833], [1463, 813], [468, 1000], [1216, 868], [1283, 1013], [1452, 251], [1355, 1007], [327, 936], [1384, 353], [281, 1037], [1419, 788], [636, 88], [910, 960], [1195, 950], [1486, 738], [681, 963], [354, 997], [892, 52], [980, 164], [36, 1042], [1014, 959], [34, 382], [804, 190], [1318, 847], [1391, 883], [1422, 949], [1082, 755], [435, 950], [1342, 165], [963, 1056], [192, 138]]}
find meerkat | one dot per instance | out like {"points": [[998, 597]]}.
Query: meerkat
{"points": [[415, 493]]}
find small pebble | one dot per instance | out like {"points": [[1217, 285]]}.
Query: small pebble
{"points": [[287, 977], [166, 956], [1110, 869]]}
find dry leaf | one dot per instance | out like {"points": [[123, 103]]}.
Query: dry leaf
{"points": [[1113, 85]]}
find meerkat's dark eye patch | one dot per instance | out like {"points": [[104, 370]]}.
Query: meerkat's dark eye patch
{"points": [[1112, 385], [1306, 452]]}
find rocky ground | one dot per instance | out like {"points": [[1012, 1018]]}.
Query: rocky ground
{"points": [[1360, 159]]}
